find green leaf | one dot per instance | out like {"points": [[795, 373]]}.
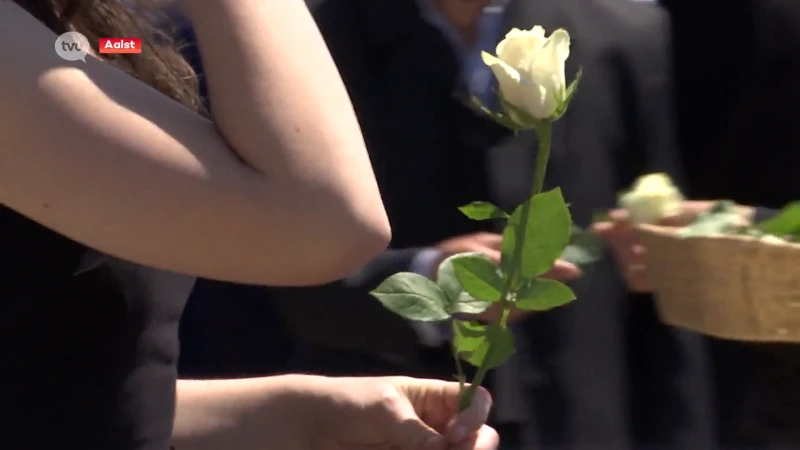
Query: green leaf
{"points": [[571, 89], [542, 295], [722, 218], [468, 336], [479, 277], [458, 301], [583, 248], [467, 304], [786, 223], [413, 297], [547, 233], [447, 281], [522, 119], [483, 211], [500, 118], [473, 343]]}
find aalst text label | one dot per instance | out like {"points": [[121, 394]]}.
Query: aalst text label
{"points": [[120, 45]]}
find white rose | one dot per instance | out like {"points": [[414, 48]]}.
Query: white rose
{"points": [[530, 70], [652, 198], [770, 239]]}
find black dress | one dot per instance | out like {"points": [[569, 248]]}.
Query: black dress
{"points": [[88, 344]]}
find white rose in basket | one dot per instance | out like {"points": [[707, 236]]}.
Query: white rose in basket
{"points": [[653, 197], [529, 68]]}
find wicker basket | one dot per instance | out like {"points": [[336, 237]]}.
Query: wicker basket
{"points": [[731, 287]]}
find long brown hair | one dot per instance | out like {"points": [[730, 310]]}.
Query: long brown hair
{"points": [[160, 64]]}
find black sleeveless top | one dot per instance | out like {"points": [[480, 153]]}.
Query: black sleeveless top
{"points": [[88, 344]]}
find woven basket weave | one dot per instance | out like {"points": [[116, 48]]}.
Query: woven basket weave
{"points": [[731, 287]]}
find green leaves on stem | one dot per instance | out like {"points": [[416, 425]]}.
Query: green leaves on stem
{"points": [[466, 284], [499, 117], [571, 89], [483, 211], [785, 224], [459, 297], [722, 218], [469, 283], [535, 235], [413, 297], [482, 345], [479, 277], [543, 295], [544, 234]]}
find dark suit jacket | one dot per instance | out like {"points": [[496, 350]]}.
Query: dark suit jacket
{"points": [[601, 372], [738, 97]]}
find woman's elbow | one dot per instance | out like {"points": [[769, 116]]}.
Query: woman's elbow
{"points": [[373, 237], [339, 242], [360, 243]]}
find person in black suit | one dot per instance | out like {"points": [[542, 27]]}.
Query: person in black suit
{"points": [[739, 105], [601, 372]]}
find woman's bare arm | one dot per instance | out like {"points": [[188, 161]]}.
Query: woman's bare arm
{"points": [[278, 190], [248, 413]]}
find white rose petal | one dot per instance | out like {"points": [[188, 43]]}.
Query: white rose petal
{"points": [[770, 239], [654, 197], [652, 181], [518, 45], [529, 68], [508, 79]]}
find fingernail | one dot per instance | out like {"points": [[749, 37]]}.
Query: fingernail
{"points": [[486, 408], [434, 441], [459, 433], [483, 404]]}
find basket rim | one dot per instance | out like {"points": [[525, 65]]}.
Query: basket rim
{"points": [[672, 232]]}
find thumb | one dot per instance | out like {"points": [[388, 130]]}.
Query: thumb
{"points": [[563, 271], [409, 432], [438, 401], [619, 215], [491, 254], [471, 419], [603, 229]]}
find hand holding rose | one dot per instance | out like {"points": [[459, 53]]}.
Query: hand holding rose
{"points": [[402, 413]]}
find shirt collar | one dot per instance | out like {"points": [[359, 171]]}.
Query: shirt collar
{"points": [[432, 15]]}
